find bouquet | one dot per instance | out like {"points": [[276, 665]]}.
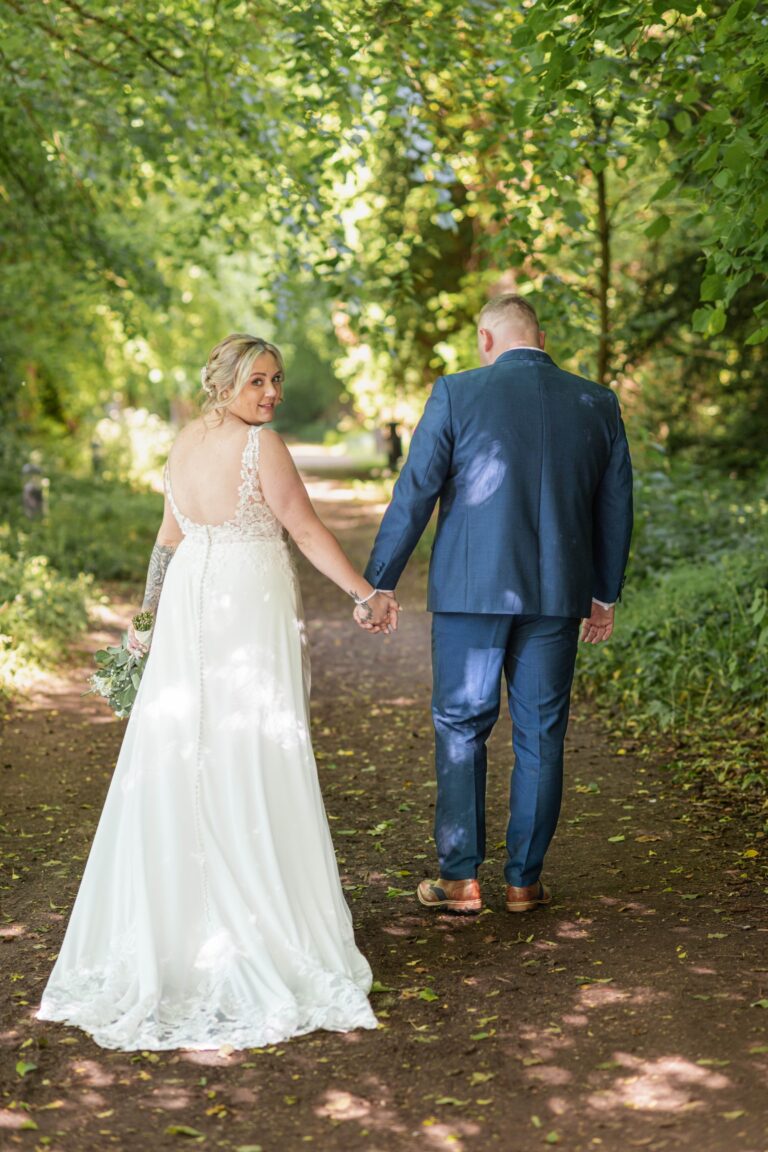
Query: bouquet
{"points": [[119, 668]]}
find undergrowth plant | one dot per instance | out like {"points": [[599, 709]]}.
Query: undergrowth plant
{"points": [[689, 657]]}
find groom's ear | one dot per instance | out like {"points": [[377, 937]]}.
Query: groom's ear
{"points": [[542, 339], [485, 340]]}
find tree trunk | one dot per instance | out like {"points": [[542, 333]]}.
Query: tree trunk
{"points": [[604, 234]]}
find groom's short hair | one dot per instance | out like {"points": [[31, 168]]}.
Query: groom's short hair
{"points": [[508, 306]]}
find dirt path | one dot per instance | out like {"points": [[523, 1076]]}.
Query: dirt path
{"points": [[631, 1014]]}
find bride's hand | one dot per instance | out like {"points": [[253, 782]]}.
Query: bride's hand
{"points": [[379, 614], [135, 646]]}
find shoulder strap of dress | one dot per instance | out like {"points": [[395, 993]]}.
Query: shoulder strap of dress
{"points": [[169, 492], [251, 450], [249, 468]]}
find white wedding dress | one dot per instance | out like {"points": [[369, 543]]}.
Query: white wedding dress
{"points": [[211, 912]]}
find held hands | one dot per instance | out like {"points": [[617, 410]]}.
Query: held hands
{"points": [[599, 625], [379, 614]]}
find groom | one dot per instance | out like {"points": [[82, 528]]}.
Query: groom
{"points": [[531, 467]]}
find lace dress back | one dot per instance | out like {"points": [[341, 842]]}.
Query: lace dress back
{"points": [[252, 519], [211, 912]]}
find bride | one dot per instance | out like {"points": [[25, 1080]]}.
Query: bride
{"points": [[210, 912]]}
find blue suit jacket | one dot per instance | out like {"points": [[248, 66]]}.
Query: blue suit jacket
{"points": [[532, 470]]}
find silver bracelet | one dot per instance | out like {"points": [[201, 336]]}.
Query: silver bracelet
{"points": [[365, 599]]}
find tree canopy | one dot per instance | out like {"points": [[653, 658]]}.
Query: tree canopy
{"points": [[361, 176]]}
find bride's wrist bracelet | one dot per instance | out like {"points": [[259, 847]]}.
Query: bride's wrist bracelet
{"points": [[363, 599]]}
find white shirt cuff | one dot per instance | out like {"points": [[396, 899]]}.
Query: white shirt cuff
{"points": [[602, 603]]}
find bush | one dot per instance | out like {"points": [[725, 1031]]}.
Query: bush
{"points": [[689, 657], [103, 529], [94, 531], [691, 515], [40, 611]]}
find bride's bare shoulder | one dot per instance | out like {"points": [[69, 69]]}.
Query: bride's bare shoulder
{"points": [[273, 445], [214, 436]]}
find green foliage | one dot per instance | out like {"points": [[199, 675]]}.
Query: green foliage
{"points": [[103, 529], [118, 674], [188, 171], [662, 74], [690, 653], [94, 531], [40, 612], [690, 516]]}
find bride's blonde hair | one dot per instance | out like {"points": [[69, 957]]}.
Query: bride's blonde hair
{"points": [[229, 367]]}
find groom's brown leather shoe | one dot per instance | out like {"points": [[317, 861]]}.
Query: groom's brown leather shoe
{"points": [[458, 896], [528, 898]]}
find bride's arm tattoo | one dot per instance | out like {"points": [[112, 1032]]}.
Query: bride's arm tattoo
{"points": [[162, 554], [362, 611]]}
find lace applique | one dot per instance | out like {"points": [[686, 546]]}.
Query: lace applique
{"points": [[213, 1014]]}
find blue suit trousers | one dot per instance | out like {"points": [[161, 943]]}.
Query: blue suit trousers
{"points": [[537, 655]]}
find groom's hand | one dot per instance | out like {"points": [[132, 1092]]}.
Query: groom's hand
{"points": [[599, 625]]}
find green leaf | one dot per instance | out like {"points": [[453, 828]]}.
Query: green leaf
{"points": [[737, 156], [22, 1068], [700, 319], [428, 994], [665, 189], [708, 159], [184, 1130], [659, 226], [717, 321], [723, 179], [713, 287], [616, 839], [759, 336]]}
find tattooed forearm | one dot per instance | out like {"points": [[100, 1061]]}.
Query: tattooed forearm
{"points": [[162, 554]]}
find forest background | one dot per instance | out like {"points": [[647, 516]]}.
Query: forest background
{"points": [[354, 181]]}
